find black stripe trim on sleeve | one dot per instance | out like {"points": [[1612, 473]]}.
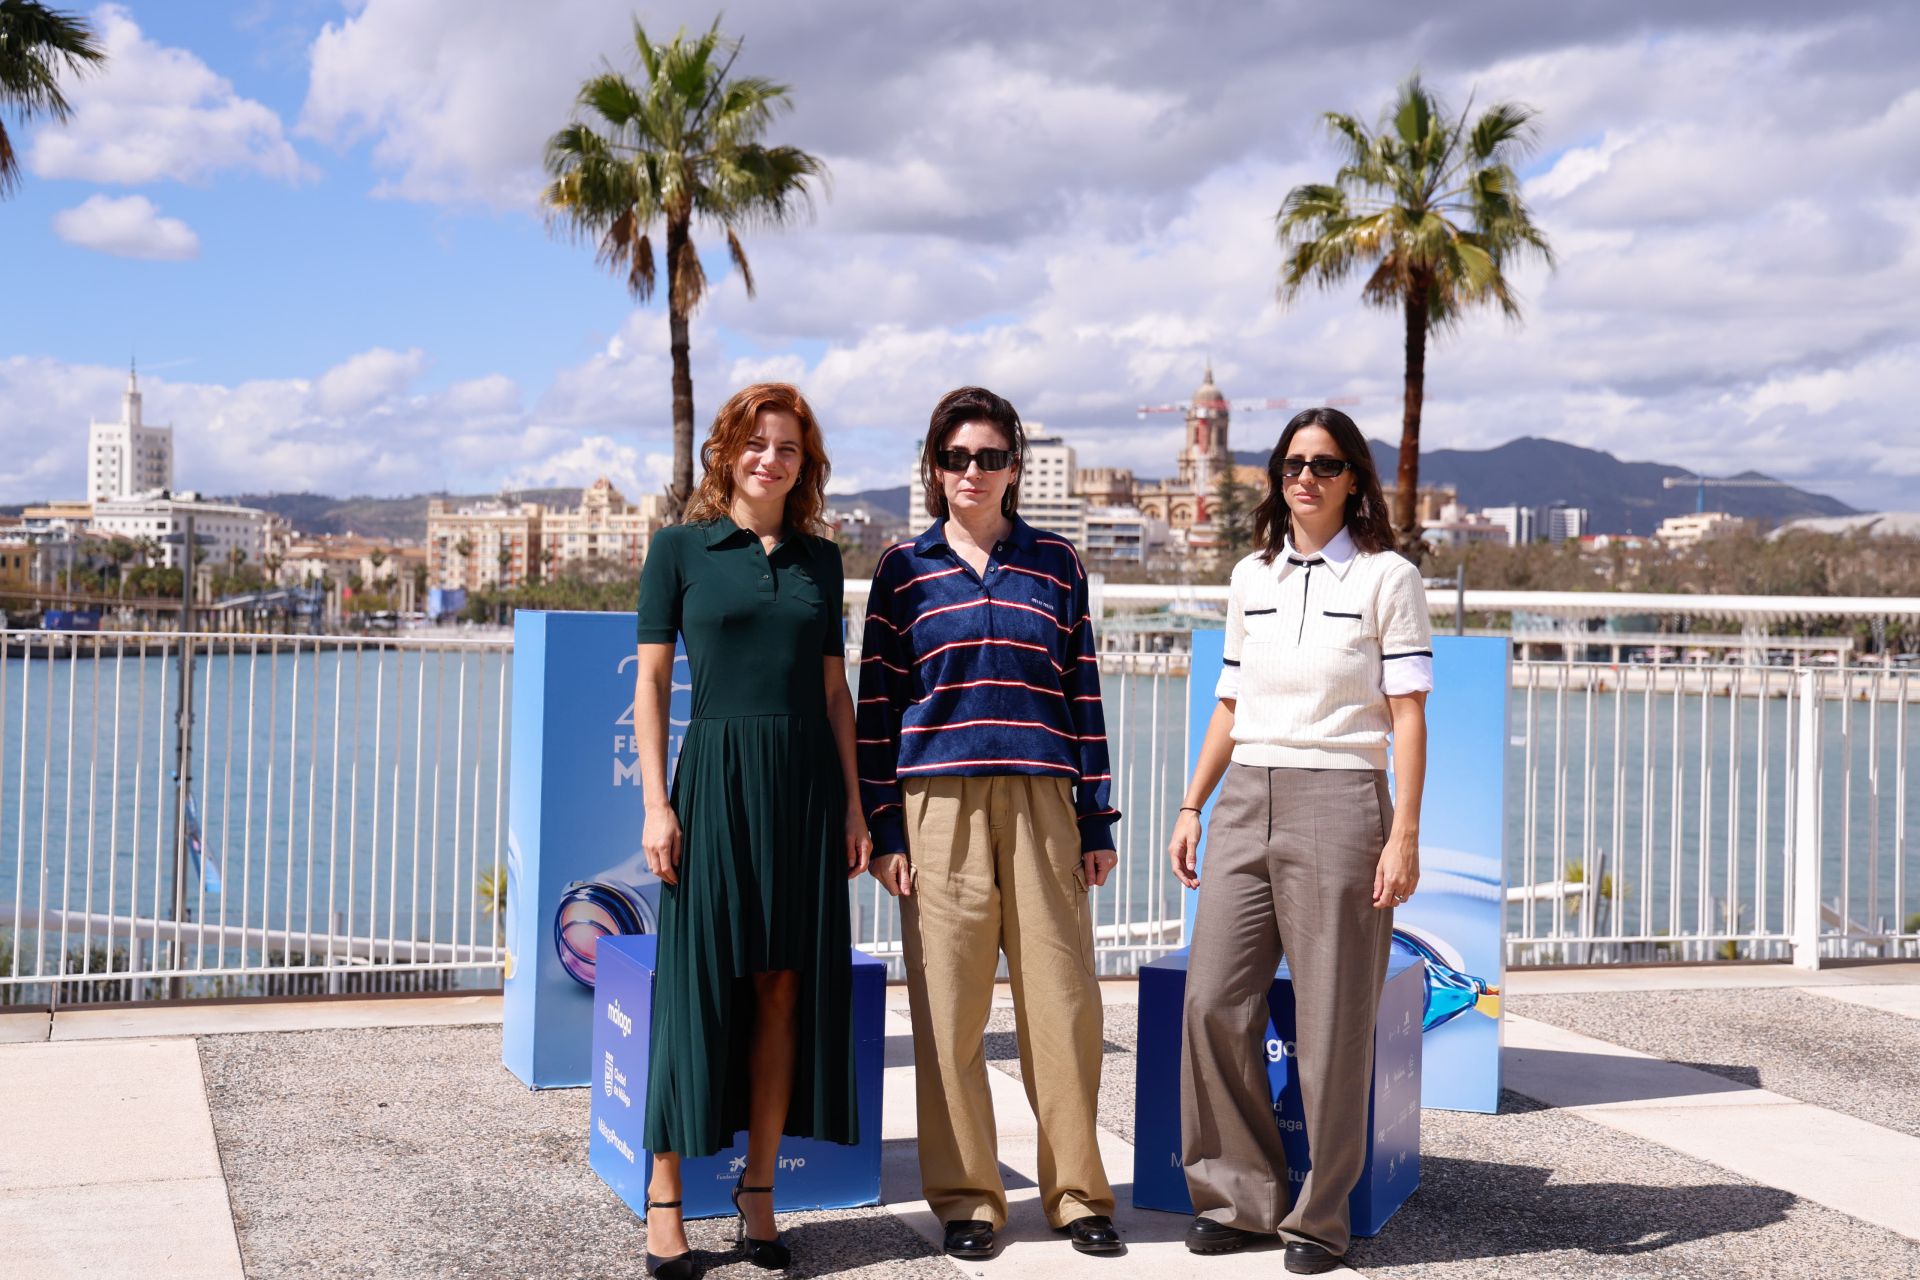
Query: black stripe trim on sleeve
{"points": [[1248, 613], [1414, 653], [1332, 614], [1232, 662]]}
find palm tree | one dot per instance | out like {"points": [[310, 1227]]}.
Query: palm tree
{"points": [[681, 145], [1433, 206], [35, 43]]}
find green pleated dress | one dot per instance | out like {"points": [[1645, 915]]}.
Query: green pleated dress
{"points": [[763, 863]]}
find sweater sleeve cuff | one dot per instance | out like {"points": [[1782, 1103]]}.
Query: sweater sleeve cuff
{"points": [[888, 828], [1096, 831], [1406, 673]]}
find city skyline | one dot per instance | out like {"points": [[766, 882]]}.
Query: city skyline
{"points": [[315, 227]]}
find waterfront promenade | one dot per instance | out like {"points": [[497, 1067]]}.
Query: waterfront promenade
{"points": [[1737, 1120]]}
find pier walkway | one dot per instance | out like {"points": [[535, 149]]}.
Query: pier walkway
{"points": [[1740, 1120]]}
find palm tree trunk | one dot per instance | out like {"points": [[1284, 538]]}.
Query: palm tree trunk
{"points": [[1406, 493], [682, 487]]}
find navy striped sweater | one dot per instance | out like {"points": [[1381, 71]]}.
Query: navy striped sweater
{"points": [[961, 674]]}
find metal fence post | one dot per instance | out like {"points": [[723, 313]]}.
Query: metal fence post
{"points": [[1806, 825]]}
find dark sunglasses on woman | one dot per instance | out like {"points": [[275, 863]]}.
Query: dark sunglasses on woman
{"points": [[1322, 468], [956, 460]]}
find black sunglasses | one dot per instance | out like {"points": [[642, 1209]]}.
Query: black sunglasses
{"points": [[1322, 468], [956, 460]]}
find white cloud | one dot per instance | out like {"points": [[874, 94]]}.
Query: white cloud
{"points": [[455, 96], [1073, 203], [366, 380], [128, 227], [155, 113], [588, 459]]}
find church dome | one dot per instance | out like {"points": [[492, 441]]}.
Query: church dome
{"points": [[1208, 395]]}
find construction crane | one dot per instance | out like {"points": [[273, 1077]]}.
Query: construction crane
{"points": [[1244, 406], [1701, 483]]}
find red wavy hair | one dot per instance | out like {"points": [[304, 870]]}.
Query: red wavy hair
{"points": [[732, 427]]}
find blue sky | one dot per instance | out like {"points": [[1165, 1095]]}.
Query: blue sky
{"points": [[315, 225]]}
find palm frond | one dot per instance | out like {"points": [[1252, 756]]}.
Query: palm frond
{"points": [[689, 282], [613, 98], [640, 273], [1503, 129], [739, 256]]}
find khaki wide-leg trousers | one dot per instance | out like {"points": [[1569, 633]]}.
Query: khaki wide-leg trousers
{"points": [[996, 865], [1290, 862]]}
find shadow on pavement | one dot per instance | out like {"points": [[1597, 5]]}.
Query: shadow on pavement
{"points": [[1560, 1078], [1467, 1209]]}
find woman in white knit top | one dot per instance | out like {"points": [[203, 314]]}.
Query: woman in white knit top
{"points": [[1328, 662]]}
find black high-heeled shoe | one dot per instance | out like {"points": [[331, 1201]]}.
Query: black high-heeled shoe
{"points": [[770, 1255], [680, 1265]]}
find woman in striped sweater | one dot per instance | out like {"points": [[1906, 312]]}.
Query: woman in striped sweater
{"points": [[983, 773]]}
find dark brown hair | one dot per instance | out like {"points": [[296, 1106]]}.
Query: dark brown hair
{"points": [[733, 427], [955, 410], [1366, 514]]}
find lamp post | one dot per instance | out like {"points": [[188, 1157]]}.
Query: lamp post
{"points": [[188, 542]]}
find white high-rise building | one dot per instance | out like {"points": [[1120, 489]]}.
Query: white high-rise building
{"points": [[221, 527], [128, 457], [1566, 523], [1517, 521], [1047, 499]]}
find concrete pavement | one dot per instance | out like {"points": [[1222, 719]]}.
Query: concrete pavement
{"points": [[381, 1137]]}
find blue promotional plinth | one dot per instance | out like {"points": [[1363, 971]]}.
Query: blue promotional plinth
{"points": [[1392, 1170], [812, 1174]]}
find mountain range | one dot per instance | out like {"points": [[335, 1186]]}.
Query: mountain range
{"points": [[1620, 497]]}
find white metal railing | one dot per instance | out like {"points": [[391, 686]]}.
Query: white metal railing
{"points": [[1719, 812], [339, 827], [349, 796]]}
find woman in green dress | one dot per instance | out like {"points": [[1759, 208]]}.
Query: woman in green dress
{"points": [[752, 1012]]}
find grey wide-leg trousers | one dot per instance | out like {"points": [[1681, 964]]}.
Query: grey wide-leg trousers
{"points": [[1289, 868]]}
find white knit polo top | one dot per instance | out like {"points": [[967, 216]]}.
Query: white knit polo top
{"points": [[1315, 644]]}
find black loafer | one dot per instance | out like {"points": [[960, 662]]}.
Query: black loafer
{"points": [[1204, 1235], [1094, 1234], [969, 1238], [1305, 1258]]}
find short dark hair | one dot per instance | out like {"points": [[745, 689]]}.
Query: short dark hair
{"points": [[1366, 514], [955, 410]]}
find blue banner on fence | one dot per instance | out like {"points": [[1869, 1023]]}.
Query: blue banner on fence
{"points": [[1455, 919]]}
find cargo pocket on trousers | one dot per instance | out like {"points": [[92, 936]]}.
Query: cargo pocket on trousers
{"points": [[1084, 904]]}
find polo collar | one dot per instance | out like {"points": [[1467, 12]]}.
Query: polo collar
{"points": [[1337, 555], [1022, 536], [722, 529]]}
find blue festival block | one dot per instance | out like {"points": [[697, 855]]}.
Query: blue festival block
{"points": [[1392, 1170], [812, 1174]]}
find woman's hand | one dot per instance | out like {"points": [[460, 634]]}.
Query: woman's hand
{"points": [[660, 838], [894, 874], [1097, 864], [1399, 870], [859, 843], [1184, 848]]}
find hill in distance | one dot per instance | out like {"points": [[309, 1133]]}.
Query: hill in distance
{"points": [[388, 519], [1620, 497]]}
